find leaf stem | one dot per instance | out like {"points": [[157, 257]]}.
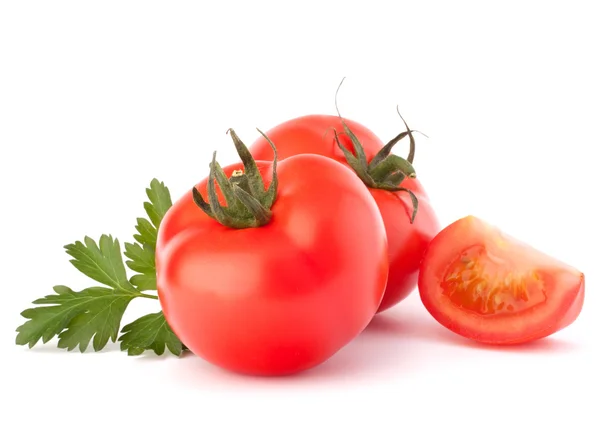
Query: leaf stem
{"points": [[152, 297]]}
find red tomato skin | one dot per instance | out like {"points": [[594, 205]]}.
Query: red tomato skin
{"points": [[564, 287], [284, 297], [314, 134], [405, 248], [407, 242]]}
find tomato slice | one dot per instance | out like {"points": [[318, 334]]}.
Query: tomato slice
{"points": [[493, 288]]}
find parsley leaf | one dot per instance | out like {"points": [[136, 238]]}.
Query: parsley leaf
{"points": [[75, 317], [160, 202], [96, 312], [103, 264], [141, 254], [150, 332], [141, 260]]}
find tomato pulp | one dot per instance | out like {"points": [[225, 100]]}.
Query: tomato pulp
{"points": [[285, 296], [490, 287], [406, 241]]}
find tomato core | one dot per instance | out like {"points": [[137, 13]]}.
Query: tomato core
{"points": [[489, 283]]}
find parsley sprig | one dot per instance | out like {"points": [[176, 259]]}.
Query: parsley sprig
{"points": [[94, 314]]}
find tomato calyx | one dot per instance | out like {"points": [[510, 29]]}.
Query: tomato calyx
{"points": [[248, 204], [386, 171]]}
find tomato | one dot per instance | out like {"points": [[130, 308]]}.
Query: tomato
{"points": [[314, 134], [406, 241], [279, 296], [490, 287]]}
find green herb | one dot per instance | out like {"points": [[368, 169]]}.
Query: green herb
{"points": [[150, 332], [141, 254], [95, 313]]}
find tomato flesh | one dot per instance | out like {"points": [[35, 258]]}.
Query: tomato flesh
{"points": [[483, 283], [490, 287]]}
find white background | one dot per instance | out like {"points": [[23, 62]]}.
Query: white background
{"points": [[97, 98]]}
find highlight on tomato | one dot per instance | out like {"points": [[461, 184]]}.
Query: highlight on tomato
{"points": [[493, 288], [409, 218], [270, 268]]}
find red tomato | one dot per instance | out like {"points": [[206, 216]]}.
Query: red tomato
{"points": [[285, 296], [406, 241], [492, 288], [314, 134]]}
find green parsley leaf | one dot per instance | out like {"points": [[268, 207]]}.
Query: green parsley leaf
{"points": [[141, 260], [104, 264], [150, 332], [147, 233], [94, 314], [160, 202], [141, 254], [75, 317]]}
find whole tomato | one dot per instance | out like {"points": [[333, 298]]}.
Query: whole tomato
{"points": [[390, 179], [270, 268]]}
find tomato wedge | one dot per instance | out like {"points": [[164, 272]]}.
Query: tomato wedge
{"points": [[490, 287]]}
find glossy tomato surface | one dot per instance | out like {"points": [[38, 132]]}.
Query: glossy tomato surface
{"points": [[283, 297], [314, 134], [407, 241], [490, 287]]}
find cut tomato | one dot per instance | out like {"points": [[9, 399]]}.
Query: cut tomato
{"points": [[490, 287]]}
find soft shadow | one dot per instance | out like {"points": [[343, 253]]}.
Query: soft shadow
{"points": [[393, 343], [388, 324], [427, 329], [545, 345], [151, 356], [51, 348], [383, 346], [418, 327]]}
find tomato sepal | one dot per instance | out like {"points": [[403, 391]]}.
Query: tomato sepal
{"points": [[248, 204]]}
